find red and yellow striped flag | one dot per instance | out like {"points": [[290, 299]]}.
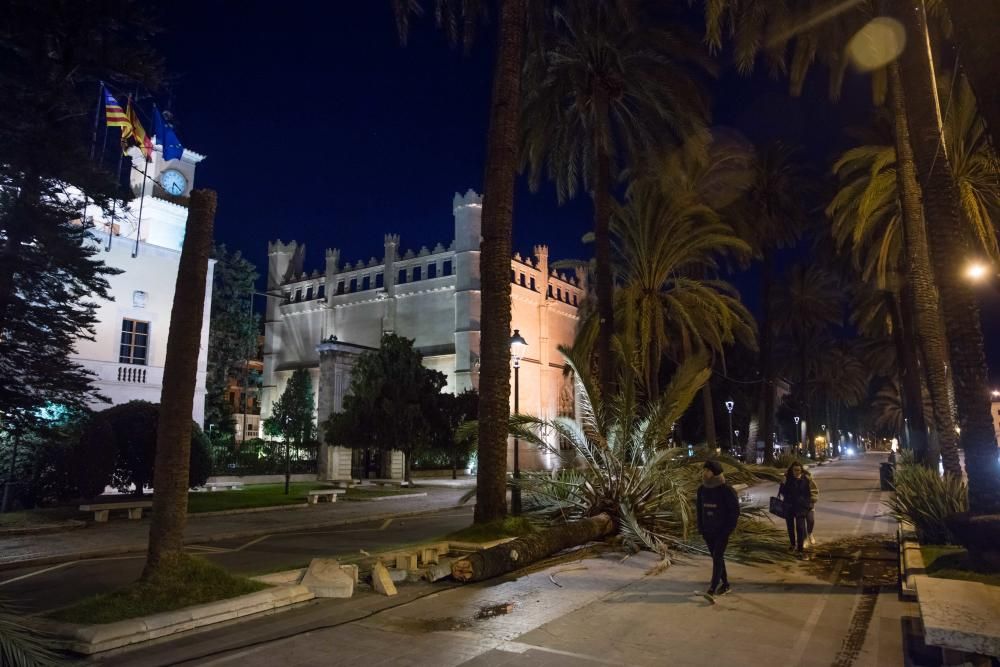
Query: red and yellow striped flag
{"points": [[116, 117], [138, 133]]}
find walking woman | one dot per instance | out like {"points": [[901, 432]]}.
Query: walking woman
{"points": [[797, 494], [718, 512]]}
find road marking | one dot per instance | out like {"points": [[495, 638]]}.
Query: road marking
{"points": [[385, 524], [35, 573]]}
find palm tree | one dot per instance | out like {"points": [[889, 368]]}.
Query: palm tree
{"points": [[497, 223], [950, 247], [920, 281], [661, 239], [769, 217], [180, 370], [818, 34], [866, 211], [974, 26], [807, 306], [608, 88]]}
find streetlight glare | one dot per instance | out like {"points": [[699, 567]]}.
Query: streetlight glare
{"points": [[976, 271]]}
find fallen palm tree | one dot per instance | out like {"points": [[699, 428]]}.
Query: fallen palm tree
{"points": [[517, 553], [622, 475]]}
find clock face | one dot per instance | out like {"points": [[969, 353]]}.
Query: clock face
{"points": [[173, 181]]}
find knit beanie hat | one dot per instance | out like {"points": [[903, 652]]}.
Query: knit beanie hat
{"points": [[714, 466]]}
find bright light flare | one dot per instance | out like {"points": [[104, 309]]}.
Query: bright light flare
{"points": [[877, 44], [976, 271]]}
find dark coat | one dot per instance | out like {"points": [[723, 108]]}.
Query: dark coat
{"points": [[718, 509], [797, 495]]}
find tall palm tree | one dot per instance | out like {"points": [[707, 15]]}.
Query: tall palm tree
{"points": [[497, 223], [661, 240], [951, 248], [609, 87], [180, 370], [924, 298], [808, 306], [770, 217]]}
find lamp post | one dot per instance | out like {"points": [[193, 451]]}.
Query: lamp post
{"points": [[798, 432], [729, 408], [517, 346]]}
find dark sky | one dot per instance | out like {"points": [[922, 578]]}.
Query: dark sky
{"points": [[320, 127]]}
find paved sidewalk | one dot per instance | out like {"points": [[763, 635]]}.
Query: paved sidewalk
{"points": [[124, 536], [841, 609]]}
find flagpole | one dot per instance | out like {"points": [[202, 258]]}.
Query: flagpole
{"points": [[142, 199], [97, 118]]}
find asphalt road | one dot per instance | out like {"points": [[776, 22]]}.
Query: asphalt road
{"points": [[38, 589]]}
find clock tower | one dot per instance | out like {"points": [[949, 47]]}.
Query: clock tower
{"points": [[162, 195]]}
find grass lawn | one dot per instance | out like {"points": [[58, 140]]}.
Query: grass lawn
{"points": [[186, 582], [495, 530], [948, 562], [257, 495]]}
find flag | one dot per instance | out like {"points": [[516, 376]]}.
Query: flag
{"points": [[138, 133], [114, 114], [172, 148]]}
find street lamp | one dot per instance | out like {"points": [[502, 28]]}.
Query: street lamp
{"points": [[976, 271], [729, 407], [798, 431], [517, 347]]}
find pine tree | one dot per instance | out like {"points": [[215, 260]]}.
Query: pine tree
{"points": [[53, 54], [232, 334]]}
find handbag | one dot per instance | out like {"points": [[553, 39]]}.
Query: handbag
{"points": [[777, 507]]}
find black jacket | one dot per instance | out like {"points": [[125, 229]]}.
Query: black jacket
{"points": [[718, 509], [797, 495]]}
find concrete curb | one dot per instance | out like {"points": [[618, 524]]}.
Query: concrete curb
{"points": [[218, 537], [69, 524], [91, 639], [911, 561], [403, 495], [250, 510]]}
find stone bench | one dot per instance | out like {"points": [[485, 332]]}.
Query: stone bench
{"points": [[329, 494], [101, 510], [224, 486], [960, 616], [389, 482]]}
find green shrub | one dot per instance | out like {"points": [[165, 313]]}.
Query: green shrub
{"points": [[926, 499]]}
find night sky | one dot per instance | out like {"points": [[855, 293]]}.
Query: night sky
{"points": [[320, 127]]}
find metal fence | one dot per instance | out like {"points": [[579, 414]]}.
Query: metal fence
{"points": [[261, 457]]}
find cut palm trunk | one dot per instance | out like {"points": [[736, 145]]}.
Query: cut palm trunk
{"points": [[524, 551]]}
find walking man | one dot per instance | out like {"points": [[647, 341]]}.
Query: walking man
{"points": [[718, 512]]}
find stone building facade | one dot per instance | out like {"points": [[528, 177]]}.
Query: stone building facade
{"points": [[321, 321]]}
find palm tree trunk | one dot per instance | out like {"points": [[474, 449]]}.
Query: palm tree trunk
{"points": [[923, 290], [497, 222], [711, 440], [605, 287], [950, 250], [974, 23], [909, 371], [767, 357], [180, 371], [653, 374]]}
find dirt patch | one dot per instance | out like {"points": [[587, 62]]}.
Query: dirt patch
{"points": [[870, 560]]}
